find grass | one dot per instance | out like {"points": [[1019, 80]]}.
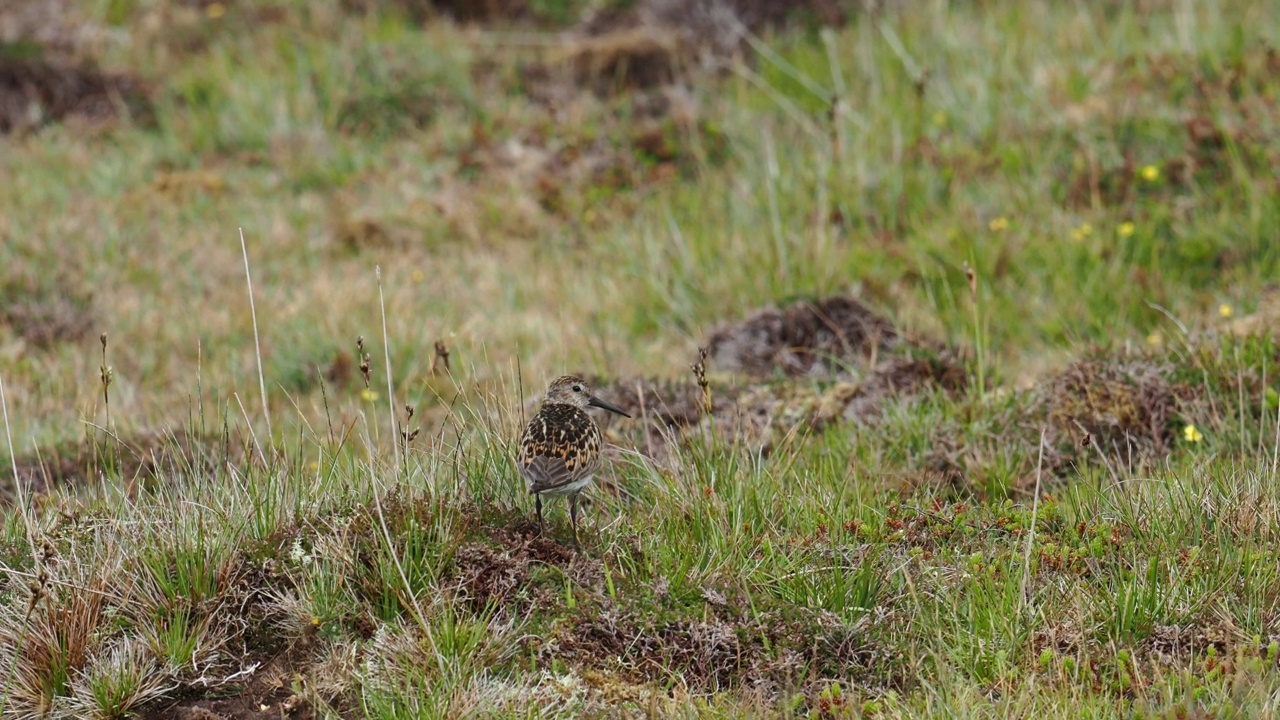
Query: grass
{"points": [[1065, 214]]}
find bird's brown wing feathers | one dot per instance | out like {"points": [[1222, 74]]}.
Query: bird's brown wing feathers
{"points": [[546, 473], [560, 445]]}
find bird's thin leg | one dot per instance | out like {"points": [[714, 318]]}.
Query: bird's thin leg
{"points": [[537, 503], [573, 516]]}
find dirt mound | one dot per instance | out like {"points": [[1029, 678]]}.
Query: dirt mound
{"points": [[706, 19], [816, 338], [501, 565], [903, 377], [1124, 406], [652, 41], [760, 415], [47, 73], [766, 415], [35, 91], [674, 404], [780, 351], [1106, 410], [637, 57], [706, 653], [720, 650]]}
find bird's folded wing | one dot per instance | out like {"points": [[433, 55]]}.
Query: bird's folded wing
{"points": [[546, 473]]}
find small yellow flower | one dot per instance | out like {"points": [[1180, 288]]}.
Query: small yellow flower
{"points": [[215, 10], [1082, 232], [999, 224], [418, 276], [1191, 434], [1150, 173], [939, 118], [1225, 310], [1125, 229], [368, 395], [1155, 339]]}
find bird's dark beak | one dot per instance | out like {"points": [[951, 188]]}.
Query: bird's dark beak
{"points": [[597, 402]]}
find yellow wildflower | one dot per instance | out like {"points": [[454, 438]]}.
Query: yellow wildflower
{"points": [[1082, 232], [1125, 229], [215, 10], [1191, 434], [999, 224], [368, 395], [1225, 310], [1155, 339], [1150, 173], [418, 276]]}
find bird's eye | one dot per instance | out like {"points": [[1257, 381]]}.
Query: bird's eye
{"points": [[577, 388]]}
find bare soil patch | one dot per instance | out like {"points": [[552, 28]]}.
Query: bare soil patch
{"points": [[779, 371], [813, 338], [498, 569], [35, 91], [719, 651], [266, 696], [655, 42]]}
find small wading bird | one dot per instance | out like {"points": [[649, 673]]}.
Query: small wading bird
{"points": [[560, 447]]}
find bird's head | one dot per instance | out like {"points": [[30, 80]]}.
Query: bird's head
{"points": [[573, 390]]}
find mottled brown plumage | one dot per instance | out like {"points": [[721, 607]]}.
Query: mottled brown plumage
{"points": [[560, 447]]}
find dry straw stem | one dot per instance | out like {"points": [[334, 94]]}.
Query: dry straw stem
{"points": [[386, 355], [257, 344], [17, 479], [1035, 509]]}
